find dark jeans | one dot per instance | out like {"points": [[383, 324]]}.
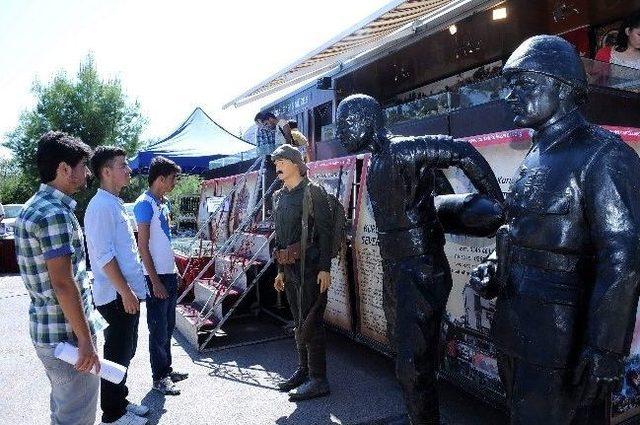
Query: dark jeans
{"points": [[161, 319], [120, 342]]}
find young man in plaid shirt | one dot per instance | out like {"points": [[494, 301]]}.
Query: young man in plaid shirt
{"points": [[51, 257]]}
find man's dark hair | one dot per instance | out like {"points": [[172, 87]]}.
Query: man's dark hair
{"points": [[622, 39], [103, 156], [55, 147], [259, 117], [293, 124], [268, 115], [161, 166]]}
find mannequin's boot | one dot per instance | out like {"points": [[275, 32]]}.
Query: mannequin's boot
{"points": [[317, 385], [301, 375]]}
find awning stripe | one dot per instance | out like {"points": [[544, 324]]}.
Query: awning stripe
{"points": [[369, 34]]}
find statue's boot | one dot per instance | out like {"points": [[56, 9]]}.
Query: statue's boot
{"points": [[301, 375], [317, 385]]}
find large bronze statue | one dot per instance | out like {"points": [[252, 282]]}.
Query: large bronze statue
{"points": [[417, 277], [566, 274]]}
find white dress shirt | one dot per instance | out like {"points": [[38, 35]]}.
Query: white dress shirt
{"points": [[109, 235]]}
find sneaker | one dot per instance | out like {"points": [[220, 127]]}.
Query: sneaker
{"points": [[166, 386], [178, 376], [137, 409], [128, 419]]}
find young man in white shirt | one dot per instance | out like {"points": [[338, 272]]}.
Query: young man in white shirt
{"points": [[154, 241], [118, 278]]}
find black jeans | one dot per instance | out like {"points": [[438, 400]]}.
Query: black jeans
{"points": [[161, 319], [120, 342]]}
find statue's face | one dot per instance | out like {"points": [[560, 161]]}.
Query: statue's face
{"points": [[534, 98], [354, 127]]}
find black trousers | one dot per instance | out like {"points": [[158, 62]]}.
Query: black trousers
{"points": [[307, 308], [120, 342], [415, 291], [538, 395]]}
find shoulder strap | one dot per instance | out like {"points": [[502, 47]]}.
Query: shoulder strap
{"points": [[305, 227]]}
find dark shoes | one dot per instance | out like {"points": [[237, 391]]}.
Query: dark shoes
{"points": [[298, 378], [313, 388], [178, 376]]}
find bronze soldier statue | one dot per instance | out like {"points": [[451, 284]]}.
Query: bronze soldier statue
{"points": [[417, 278], [566, 273], [304, 281]]}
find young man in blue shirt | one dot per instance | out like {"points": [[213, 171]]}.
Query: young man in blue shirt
{"points": [[118, 278], [154, 241]]}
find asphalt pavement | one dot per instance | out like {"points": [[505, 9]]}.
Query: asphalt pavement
{"points": [[231, 386]]}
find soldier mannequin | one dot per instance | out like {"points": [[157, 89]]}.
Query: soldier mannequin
{"points": [[417, 278], [307, 296], [566, 274]]}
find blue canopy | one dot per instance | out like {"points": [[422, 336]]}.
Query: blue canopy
{"points": [[195, 143]]}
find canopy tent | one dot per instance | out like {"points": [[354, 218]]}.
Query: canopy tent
{"points": [[195, 143]]}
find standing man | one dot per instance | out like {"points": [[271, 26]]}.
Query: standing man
{"points": [[118, 279], [417, 278], [51, 257], [280, 127], [306, 287], [154, 241], [265, 137], [568, 262]]}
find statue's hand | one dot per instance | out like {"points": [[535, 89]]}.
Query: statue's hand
{"points": [[597, 373], [483, 279]]}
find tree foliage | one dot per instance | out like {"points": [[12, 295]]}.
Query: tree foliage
{"points": [[96, 110]]}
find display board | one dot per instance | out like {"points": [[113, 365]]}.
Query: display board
{"points": [[245, 198], [336, 176], [219, 225], [367, 264]]}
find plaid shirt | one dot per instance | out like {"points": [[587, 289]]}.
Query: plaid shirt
{"points": [[265, 136], [47, 228]]}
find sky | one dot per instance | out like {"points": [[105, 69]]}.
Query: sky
{"points": [[170, 56]]}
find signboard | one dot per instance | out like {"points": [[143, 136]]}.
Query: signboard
{"points": [[213, 194], [245, 199], [372, 324], [336, 176]]}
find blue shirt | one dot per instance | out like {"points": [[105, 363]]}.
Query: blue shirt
{"points": [[153, 212], [109, 235]]}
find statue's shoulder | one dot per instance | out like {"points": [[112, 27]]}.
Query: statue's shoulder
{"points": [[602, 140], [606, 147]]}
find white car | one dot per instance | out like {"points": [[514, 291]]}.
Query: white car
{"points": [[11, 212]]}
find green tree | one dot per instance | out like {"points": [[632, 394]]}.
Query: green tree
{"points": [[96, 110], [15, 186]]}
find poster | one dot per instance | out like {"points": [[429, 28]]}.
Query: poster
{"points": [[372, 324], [245, 198], [626, 402], [206, 207], [219, 225], [336, 176]]}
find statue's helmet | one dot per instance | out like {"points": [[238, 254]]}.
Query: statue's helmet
{"points": [[549, 55], [358, 118]]}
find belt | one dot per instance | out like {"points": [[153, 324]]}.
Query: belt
{"points": [[547, 260], [290, 254], [395, 245]]}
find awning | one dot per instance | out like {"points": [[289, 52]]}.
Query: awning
{"points": [[398, 19]]}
